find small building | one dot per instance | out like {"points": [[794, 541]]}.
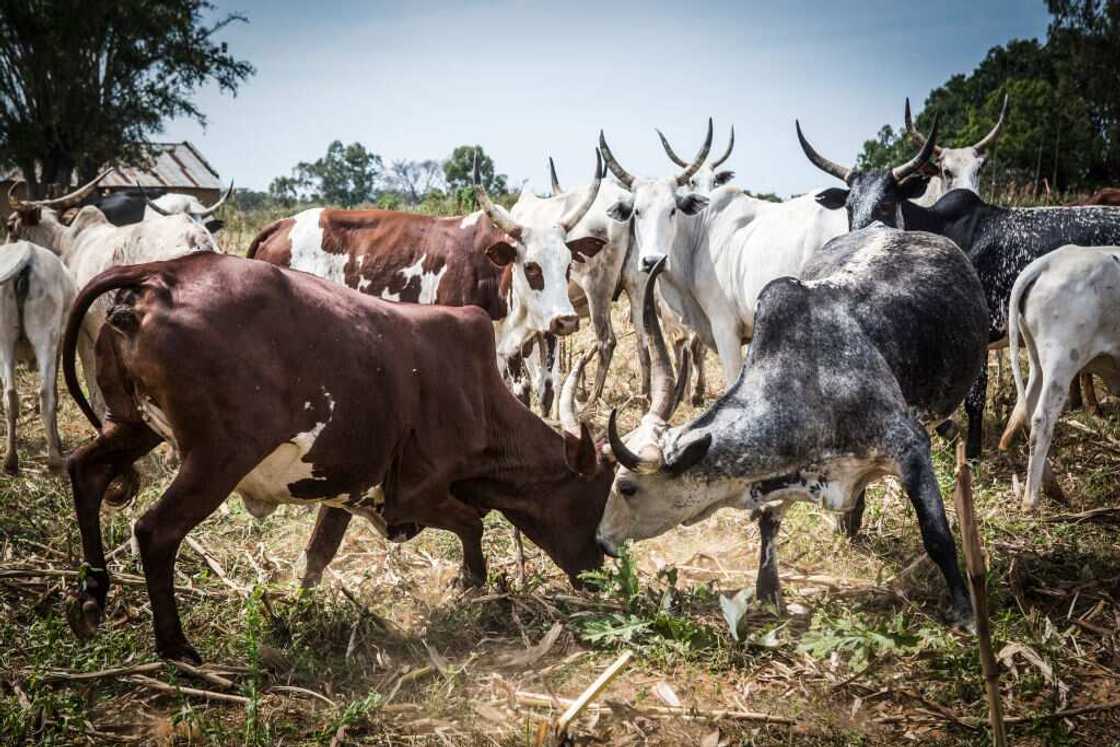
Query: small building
{"points": [[175, 167]]}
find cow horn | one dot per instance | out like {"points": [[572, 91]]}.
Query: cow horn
{"points": [[71, 199], [498, 216], [822, 163], [620, 173], [727, 154], [992, 136], [15, 202], [552, 177], [684, 370], [569, 221], [915, 163], [217, 205], [912, 131], [669, 150], [148, 200], [684, 176], [569, 412], [622, 455], [661, 372]]}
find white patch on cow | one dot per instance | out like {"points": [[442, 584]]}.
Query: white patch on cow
{"points": [[429, 282], [470, 219], [307, 249]]}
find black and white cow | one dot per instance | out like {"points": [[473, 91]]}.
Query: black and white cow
{"points": [[846, 367], [1000, 242]]}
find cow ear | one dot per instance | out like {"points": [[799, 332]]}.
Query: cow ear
{"points": [[723, 177], [588, 246], [501, 254], [579, 453], [692, 203], [621, 210], [833, 198], [914, 187]]}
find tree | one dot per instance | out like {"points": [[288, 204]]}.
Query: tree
{"points": [[415, 179], [458, 170], [347, 175], [86, 82]]}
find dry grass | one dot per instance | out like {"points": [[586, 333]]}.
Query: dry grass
{"points": [[392, 655]]}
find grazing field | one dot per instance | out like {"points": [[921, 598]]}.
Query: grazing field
{"points": [[386, 651]]}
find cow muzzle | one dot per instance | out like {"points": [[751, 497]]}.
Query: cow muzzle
{"points": [[607, 546], [564, 325]]}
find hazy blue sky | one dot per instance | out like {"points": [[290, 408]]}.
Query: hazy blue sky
{"points": [[528, 80]]}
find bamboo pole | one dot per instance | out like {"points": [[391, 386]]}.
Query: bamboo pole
{"points": [[977, 577]]}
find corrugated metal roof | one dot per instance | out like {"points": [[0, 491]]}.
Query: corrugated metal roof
{"points": [[174, 166]]}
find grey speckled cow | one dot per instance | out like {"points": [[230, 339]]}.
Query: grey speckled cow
{"points": [[847, 367]]}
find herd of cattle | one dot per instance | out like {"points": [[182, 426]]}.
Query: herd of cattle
{"points": [[388, 377]]}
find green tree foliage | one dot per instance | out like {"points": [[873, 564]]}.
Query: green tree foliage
{"points": [[1063, 127], [347, 175], [86, 82], [458, 170]]}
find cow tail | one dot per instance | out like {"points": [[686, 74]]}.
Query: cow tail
{"points": [[264, 235], [115, 277], [1018, 293]]}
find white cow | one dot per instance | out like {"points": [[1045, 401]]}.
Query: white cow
{"points": [[91, 244], [1066, 304], [35, 294], [176, 203], [958, 168], [722, 249]]}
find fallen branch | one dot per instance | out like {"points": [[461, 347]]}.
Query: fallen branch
{"points": [[59, 676], [124, 579], [154, 684], [592, 690], [293, 690], [541, 700], [202, 674], [215, 566]]}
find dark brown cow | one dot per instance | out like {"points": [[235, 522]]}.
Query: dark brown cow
{"points": [[318, 394], [1106, 196]]}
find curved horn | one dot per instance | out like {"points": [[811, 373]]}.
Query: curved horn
{"points": [[992, 136], [217, 205], [730, 146], [684, 370], [73, 198], [620, 173], [15, 202], [915, 163], [552, 175], [148, 200], [661, 396], [912, 131], [500, 219], [684, 176], [569, 221], [669, 150], [822, 163], [622, 455], [569, 412]]}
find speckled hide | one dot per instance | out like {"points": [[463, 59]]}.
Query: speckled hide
{"points": [[847, 366]]}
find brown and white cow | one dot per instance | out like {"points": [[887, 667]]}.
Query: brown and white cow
{"points": [[517, 272], [317, 394]]}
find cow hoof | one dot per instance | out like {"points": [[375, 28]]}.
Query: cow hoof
{"points": [[83, 613], [11, 466], [467, 580], [181, 651]]}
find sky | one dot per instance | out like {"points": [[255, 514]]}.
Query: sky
{"points": [[528, 80]]}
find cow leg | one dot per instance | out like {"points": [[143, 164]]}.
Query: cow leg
{"points": [[88, 355], [11, 409], [546, 389], [1075, 401], [1092, 406], [1043, 420], [466, 522], [921, 486], [974, 408], [729, 345], [515, 376], [700, 385], [850, 522], [599, 309], [1027, 404], [46, 360], [204, 481], [635, 296], [330, 526], [768, 585], [91, 468]]}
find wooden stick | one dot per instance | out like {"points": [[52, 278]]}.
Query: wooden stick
{"points": [[202, 674], [594, 689], [154, 666], [692, 714], [974, 561], [178, 690], [214, 565], [519, 557]]}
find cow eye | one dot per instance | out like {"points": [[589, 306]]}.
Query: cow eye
{"points": [[672, 212], [534, 275], [628, 489]]}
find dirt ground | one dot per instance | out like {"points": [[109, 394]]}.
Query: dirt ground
{"points": [[387, 652]]}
